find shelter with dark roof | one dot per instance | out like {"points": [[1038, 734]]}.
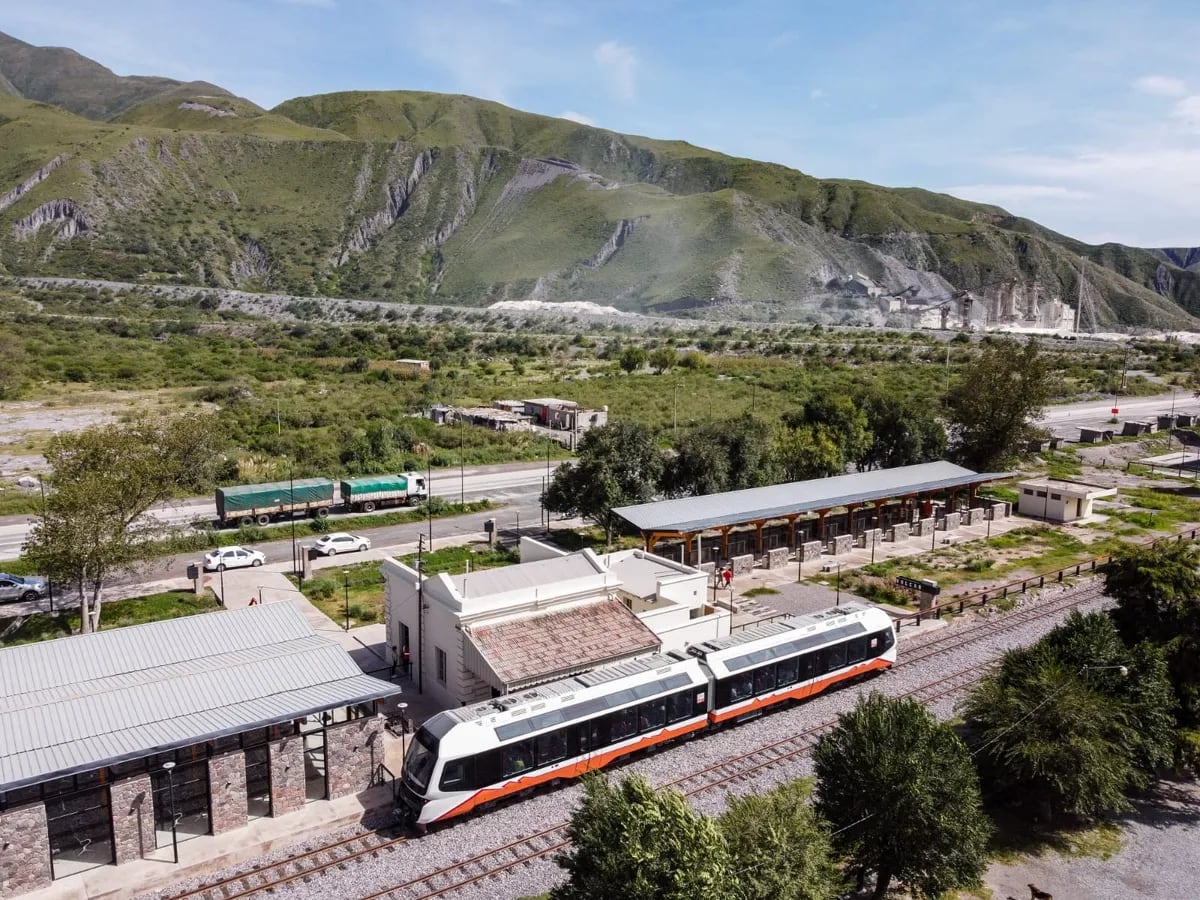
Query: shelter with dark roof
{"points": [[482, 634], [757, 520], [206, 721]]}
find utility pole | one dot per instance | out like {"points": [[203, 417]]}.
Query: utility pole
{"points": [[462, 477], [420, 616], [675, 410]]}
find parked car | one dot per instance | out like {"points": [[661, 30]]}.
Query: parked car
{"points": [[342, 542], [17, 588], [232, 558]]}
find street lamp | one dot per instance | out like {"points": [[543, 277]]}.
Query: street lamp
{"points": [[838, 599], [169, 766], [346, 594], [49, 580]]}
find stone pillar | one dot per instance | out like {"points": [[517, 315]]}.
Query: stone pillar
{"points": [[951, 521], [132, 818], [925, 527], [227, 791], [810, 550], [352, 751], [25, 857], [777, 558], [287, 775]]}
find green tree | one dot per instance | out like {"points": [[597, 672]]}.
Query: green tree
{"points": [[896, 812], [662, 359], [1075, 721], [780, 848], [102, 482], [1158, 600], [807, 452], [718, 457], [993, 408], [843, 420], [627, 840], [632, 358], [904, 431], [619, 464]]}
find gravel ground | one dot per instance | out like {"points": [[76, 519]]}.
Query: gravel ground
{"points": [[465, 839]]}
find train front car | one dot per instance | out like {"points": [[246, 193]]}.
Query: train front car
{"points": [[795, 658], [464, 760]]}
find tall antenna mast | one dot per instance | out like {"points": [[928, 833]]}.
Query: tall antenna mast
{"points": [[1085, 313]]}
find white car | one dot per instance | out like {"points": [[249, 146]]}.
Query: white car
{"points": [[342, 542], [232, 558]]}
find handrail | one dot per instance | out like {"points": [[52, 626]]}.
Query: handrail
{"points": [[1001, 592]]}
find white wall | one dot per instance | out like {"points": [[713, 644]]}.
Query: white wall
{"points": [[532, 550]]}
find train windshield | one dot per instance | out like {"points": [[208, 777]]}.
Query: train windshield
{"points": [[422, 754]]}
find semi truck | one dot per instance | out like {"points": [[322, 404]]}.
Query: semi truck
{"points": [[367, 494], [247, 504]]}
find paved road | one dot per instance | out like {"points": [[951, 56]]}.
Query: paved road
{"points": [[1066, 420]]}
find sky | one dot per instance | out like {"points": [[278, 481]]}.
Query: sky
{"points": [[1083, 116]]}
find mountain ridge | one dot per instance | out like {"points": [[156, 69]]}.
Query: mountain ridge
{"points": [[411, 196]]}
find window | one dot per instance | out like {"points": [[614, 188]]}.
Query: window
{"points": [[652, 715], [835, 657], [787, 671], [623, 723], [1056, 496], [1028, 492], [551, 747], [679, 706], [810, 666], [517, 758], [764, 679], [454, 775], [440, 654], [740, 687], [856, 651], [1041, 493]]}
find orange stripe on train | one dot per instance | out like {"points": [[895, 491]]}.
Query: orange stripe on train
{"points": [[800, 693]]}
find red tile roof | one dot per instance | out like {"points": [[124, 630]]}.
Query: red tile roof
{"points": [[519, 653]]}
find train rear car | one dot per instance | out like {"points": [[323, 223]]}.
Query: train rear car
{"points": [[795, 658], [466, 759]]}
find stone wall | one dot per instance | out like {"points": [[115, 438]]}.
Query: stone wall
{"points": [[843, 543], [742, 565], [951, 521], [287, 775], [133, 818], [810, 550], [777, 558], [25, 858], [227, 786], [900, 531], [871, 537], [351, 752], [975, 515], [926, 527]]}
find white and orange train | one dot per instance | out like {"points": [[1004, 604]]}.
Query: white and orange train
{"points": [[465, 760]]}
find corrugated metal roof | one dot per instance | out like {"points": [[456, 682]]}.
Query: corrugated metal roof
{"points": [[81, 702], [690, 514], [542, 573]]}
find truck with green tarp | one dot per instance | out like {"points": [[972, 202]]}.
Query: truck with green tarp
{"points": [[366, 494], [246, 504]]}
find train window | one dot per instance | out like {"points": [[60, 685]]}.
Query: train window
{"points": [[599, 733], [623, 723], [740, 687], [517, 758], [787, 671], [454, 775], [679, 706], [652, 715], [835, 657], [764, 679], [487, 768], [856, 651], [551, 747]]}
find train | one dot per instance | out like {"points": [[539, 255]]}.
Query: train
{"points": [[247, 504], [467, 759]]}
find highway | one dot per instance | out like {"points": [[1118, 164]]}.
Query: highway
{"points": [[1066, 420]]}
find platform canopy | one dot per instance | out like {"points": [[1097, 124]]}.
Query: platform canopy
{"points": [[689, 515]]}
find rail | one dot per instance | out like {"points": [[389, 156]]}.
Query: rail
{"points": [[1023, 585]]}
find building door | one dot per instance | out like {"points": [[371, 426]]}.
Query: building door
{"points": [[316, 775], [80, 830], [181, 796], [258, 782]]}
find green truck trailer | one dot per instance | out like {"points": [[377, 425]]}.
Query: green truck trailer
{"points": [[246, 504], [367, 494]]}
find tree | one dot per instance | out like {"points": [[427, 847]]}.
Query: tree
{"points": [[903, 797], [992, 409], [779, 846], [102, 482], [904, 432], [628, 840], [1060, 725], [807, 452], [619, 464], [663, 358], [844, 420], [721, 457], [1158, 600], [632, 358]]}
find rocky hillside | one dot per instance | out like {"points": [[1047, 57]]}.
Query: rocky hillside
{"points": [[418, 197]]}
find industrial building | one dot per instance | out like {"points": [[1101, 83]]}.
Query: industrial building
{"points": [[482, 634], [118, 744]]}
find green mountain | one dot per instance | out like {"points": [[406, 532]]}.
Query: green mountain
{"points": [[411, 197]]}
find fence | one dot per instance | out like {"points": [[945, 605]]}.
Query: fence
{"points": [[1023, 585]]}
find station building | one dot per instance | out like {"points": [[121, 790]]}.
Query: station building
{"points": [[479, 635], [205, 722], [1059, 501]]}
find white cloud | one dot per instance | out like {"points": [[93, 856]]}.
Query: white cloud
{"points": [[1187, 111], [816, 94], [1005, 194], [1163, 85], [620, 66], [572, 116]]}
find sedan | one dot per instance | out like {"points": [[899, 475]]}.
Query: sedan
{"points": [[17, 588], [232, 558], [342, 542]]}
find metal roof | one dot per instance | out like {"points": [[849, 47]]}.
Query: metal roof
{"points": [[691, 514], [541, 573], [82, 702]]}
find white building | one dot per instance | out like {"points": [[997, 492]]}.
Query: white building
{"points": [[1059, 501], [478, 635]]}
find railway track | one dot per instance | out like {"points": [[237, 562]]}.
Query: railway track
{"points": [[523, 851]]}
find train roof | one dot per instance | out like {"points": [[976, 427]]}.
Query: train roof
{"points": [[785, 625]]}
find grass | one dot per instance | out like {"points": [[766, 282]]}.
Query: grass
{"points": [[115, 614], [762, 591], [1014, 838]]}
